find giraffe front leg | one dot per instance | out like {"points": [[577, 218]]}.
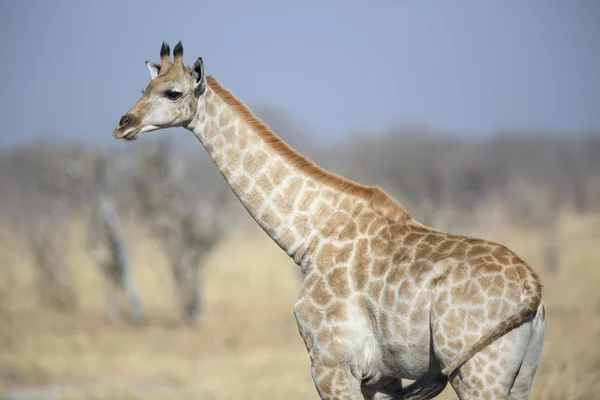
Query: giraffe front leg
{"points": [[335, 381], [332, 374], [335, 375]]}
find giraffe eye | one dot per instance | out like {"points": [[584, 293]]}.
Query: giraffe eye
{"points": [[172, 94]]}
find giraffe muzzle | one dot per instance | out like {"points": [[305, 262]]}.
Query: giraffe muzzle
{"points": [[128, 128]]}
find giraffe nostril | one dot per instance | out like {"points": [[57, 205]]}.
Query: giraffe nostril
{"points": [[126, 120]]}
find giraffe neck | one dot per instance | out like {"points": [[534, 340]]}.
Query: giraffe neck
{"points": [[285, 193]]}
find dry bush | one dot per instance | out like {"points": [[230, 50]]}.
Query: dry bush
{"points": [[7, 283], [49, 245], [59, 191]]}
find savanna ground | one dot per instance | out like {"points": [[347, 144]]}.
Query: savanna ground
{"points": [[247, 345]]}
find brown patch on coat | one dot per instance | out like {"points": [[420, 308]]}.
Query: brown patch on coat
{"points": [[349, 232], [338, 280], [285, 201], [270, 217], [478, 250], [380, 267], [263, 181], [420, 271], [302, 225], [360, 273], [374, 290], [320, 293], [307, 199], [228, 133], [390, 296], [254, 161], [336, 312], [309, 314], [326, 256], [343, 256]]}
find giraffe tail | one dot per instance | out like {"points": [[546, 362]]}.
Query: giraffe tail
{"points": [[434, 382], [426, 387]]}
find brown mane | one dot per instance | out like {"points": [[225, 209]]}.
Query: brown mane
{"points": [[380, 200]]}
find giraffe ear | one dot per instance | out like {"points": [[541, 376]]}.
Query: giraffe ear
{"points": [[153, 68], [198, 77]]}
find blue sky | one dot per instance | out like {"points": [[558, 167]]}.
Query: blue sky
{"points": [[70, 69]]}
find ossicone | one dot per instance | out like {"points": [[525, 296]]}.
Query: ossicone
{"points": [[165, 50], [178, 50]]}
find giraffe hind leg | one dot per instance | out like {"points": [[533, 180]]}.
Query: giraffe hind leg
{"points": [[491, 373], [462, 312], [524, 380]]}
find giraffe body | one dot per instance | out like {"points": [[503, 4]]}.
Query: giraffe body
{"points": [[384, 297], [382, 324]]}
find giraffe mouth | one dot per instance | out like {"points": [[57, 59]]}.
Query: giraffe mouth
{"points": [[132, 135], [128, 135]]}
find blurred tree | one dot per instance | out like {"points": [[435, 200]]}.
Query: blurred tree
{"points": [[109, 249]]}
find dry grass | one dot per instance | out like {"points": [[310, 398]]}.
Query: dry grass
{"points": [[248, 345]]}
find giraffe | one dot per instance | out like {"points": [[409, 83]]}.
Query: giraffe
{"points": [[384, 297]]}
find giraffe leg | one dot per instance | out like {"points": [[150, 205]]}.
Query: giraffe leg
{"points": [[455, 325], [334, 368], [491, 373], [335, 382], [522, 385]]}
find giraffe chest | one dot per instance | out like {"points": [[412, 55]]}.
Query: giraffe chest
{"points": [[402, 330], [383, 340]]}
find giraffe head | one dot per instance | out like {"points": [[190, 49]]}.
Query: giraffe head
{"points": [[169, 100]]}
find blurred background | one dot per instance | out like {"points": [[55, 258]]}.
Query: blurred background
{"points": [[129, 270]]}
